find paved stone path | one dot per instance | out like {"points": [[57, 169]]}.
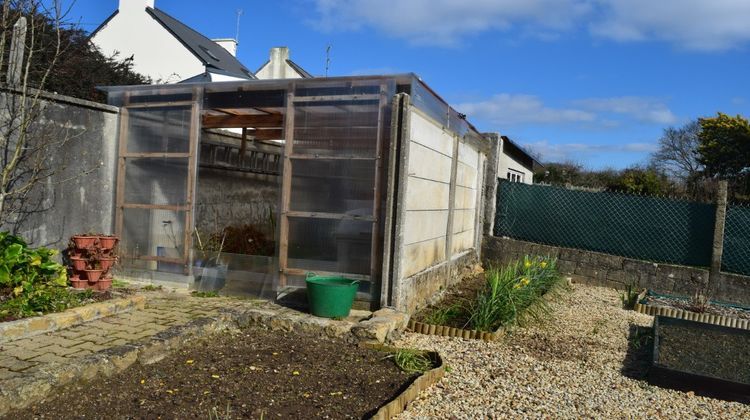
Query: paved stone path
{"points": [[163, 310]]}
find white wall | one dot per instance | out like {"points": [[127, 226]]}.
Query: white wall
{"points": [[156, 53], [277, 66], [506, 163]]}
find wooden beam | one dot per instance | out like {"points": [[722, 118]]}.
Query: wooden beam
{"points": [[331, 216], [286, 186], [155, 155], [155, 207], [338, 98], [301, 272], [243, 146], [243, 121], [270, 134]]}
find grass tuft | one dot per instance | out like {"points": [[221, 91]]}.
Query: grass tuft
{"points": [[412, 361], [443, 316]]}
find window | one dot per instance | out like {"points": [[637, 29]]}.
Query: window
{"points": [[515, 176]]}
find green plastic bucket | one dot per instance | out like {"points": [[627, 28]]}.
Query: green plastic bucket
{"points": [[330, 296]]}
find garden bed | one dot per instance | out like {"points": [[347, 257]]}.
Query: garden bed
{"points": [[252, 374], [62, 300], [481, 307], [650, 303]]}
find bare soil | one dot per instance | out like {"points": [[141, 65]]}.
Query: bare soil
{"points": [[252, 374], [459, 298]]}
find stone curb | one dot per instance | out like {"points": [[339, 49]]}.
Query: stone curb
{"points": [[29, 327], [660, 310], [399, 404], [444, 331]]}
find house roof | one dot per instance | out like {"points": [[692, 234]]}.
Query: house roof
{"points": [[518, 154], [213, 56]]}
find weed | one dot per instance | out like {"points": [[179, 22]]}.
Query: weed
{"points": [[215, 414], [598, 325], [442, 316], [515, 294], [205, 294], [119, 284], [412, 361], [151, 288], [629, 296], [641, 337]]}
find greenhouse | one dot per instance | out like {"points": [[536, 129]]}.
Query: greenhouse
{"points": [[245, 187]]}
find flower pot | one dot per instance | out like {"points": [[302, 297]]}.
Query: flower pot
{"points": [[108, 242], [84, 242], [104, 284], [78, 264], [93, 275], [331, 297], [107, 262], [79, 284]]}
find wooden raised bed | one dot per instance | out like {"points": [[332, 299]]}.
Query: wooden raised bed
{"points": [[445, 331]]}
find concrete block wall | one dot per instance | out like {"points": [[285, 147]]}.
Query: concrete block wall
{"points": [[443, 184], [599, 269]]}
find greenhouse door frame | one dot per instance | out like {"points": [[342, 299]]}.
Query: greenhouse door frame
{"points": [[286, 185], [188, 207]]}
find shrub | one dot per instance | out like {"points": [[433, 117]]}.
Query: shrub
{"points": [[30, 280], [514, 295]]}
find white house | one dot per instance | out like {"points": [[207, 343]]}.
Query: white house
{"points": [[166, 49], [514, 164], [280, 66]]}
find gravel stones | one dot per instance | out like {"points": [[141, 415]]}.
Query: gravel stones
{"points": [[586, 362]]}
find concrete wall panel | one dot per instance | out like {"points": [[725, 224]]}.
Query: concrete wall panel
{"points": [[427, 195], [429, 164], [420, 226], [422, 255], [427, 133]]}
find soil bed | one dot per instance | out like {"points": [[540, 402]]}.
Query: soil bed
{"points": [[453, 309], [251, 374], [684, 304]]}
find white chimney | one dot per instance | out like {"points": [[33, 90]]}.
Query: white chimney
{"points": [[135, 6], [279, 56], [228, 44]]}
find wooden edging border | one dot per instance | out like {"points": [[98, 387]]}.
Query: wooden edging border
{"points": [[30, 327], [424, 381], [660, 310], [444, 331]]}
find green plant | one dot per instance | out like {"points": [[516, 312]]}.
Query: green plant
{"points": [[412, 361], [151, 288], [205, 294], [119, 283], [442, 316], [514, 295], [629, 296]]}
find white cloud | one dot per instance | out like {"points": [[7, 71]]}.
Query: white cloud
{"points": [[562, 152], [519, 109], [508, 109], [691, 24], [646, 110], [446, 22]]}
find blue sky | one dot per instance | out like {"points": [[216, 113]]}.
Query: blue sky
{"points": [[589, 81]]}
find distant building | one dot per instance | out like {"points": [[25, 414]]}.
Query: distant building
{"points": [[279, 66], [166, 49], [514, 164]]}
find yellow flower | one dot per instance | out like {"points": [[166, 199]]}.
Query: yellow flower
{"points": [[543, 264], [527, 264]]}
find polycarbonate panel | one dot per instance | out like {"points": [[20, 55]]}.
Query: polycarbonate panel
{"points": [[153, 233], [333, 129], [156, 181], [159, 130], [333, 186], [340, 246], [235, 274]]}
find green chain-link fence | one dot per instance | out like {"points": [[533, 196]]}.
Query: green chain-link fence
{"points": [[736, 258], [640, 227]]}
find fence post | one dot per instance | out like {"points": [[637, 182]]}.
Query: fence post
{"points": [[718, 246]]}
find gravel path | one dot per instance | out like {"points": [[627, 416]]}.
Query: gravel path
{"points": [[582, 364]]}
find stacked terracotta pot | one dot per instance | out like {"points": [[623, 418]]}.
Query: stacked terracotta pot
{"points": [[91, 260]]}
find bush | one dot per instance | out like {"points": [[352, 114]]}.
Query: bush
{"points": [[31, 282], [514, 295]]}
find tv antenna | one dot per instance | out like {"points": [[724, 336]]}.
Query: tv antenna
{"points": [[240, 12], [328, 58]]}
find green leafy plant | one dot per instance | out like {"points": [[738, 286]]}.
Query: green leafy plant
{"points": [[629, 296], [412, 361], [31, 282], [515, 295], [151, 288]]}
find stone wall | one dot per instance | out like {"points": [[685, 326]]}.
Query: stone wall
{"points": [[599, 269], [79, 197]]}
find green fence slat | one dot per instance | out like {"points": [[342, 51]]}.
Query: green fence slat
{"points": [[641, 227]]}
